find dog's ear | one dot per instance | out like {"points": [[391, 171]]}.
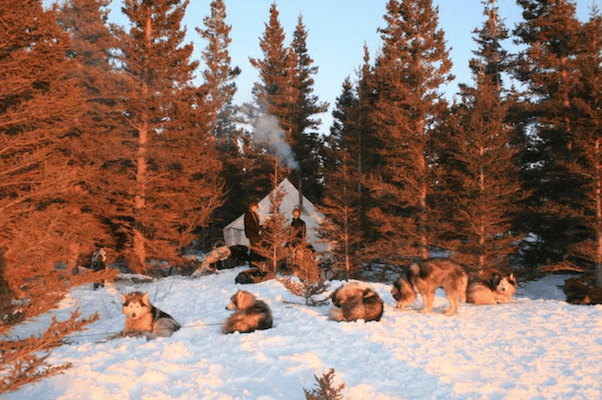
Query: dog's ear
{"points": [[512, 279], [123, 298], [495, 280], [334, 297], [242, 301], [368, 293], [145, 300]]}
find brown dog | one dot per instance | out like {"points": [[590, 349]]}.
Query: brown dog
{"points": [[497, 290], [253, 275], [425, 278], [352, 302], [251, 314], [577, 291]]}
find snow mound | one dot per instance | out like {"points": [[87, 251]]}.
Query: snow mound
{"points": [[537, 347]]}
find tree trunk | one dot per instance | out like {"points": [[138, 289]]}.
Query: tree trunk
{"points": [[139, 201]]}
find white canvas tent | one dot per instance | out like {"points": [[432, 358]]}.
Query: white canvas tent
{"points": [[234, 233]]}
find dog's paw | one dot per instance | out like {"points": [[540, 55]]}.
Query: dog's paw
{"points": [[449, 312], [403, 306]]}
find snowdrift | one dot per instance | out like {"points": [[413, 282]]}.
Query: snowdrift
{"points": [[538, 347]]}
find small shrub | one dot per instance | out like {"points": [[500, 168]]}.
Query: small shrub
{"points": [[309, 283], [325, 389]]}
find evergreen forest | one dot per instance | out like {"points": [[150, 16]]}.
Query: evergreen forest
{"points": [[108, 140]]}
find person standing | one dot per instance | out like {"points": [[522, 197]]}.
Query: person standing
{"points": [[252, 228], [298, 229]]}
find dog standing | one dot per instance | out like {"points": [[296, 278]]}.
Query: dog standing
{"points": [[353, 301], [218, 254], [250, 315], [144, 319], [497, 290], [425, 278]]}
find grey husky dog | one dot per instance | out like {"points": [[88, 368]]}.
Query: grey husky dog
{"points": [[353, 301], [425, 278], [250, 315]]}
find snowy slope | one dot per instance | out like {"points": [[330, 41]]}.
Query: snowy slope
{"points": [[538, 347]]}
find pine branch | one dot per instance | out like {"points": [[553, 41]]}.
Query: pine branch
{"points": [[25, 361]]}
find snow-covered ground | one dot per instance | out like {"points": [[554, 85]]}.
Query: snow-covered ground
{"points": [[538, 347]]}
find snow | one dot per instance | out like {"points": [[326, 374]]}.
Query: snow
{"points": [[537, 347]]}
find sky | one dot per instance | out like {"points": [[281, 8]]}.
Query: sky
{"points": [[337, 32]]}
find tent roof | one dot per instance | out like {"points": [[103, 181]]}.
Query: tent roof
{"points": [[234, 233]]}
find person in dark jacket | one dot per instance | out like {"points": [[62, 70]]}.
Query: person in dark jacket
{"points": [[252, 228], [298, 229]]}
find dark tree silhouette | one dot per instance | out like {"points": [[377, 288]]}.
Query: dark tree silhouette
{"points": [[414, 63], [550, 42], [482, 170]]}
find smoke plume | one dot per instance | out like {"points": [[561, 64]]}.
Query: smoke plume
{"points": [[268, 133]]}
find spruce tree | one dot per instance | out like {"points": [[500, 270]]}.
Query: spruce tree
{"points": [[342, 219], [275, 95], [408, 74], [41, 200], [585, 165], [546, 66], [275, 232], [219, 88], [485, 185], [98, 130], [274, 92], [341, 202], [482, 170], [170, 184], [41, 193], [306, 144], [351, 149], [367, 143]]}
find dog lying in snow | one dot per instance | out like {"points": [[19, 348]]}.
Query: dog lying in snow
{"points": [[250, 315], [253, 275], [577, 291], [425, 278], [144, 319], [497, 290], [353, 301]]}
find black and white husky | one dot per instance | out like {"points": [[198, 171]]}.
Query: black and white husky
{"points": [[144, 319]]}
